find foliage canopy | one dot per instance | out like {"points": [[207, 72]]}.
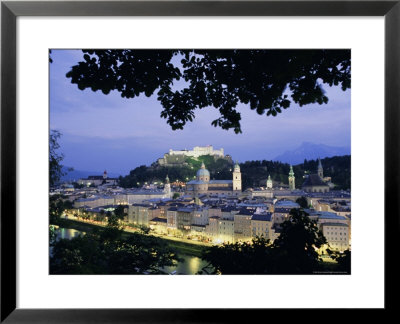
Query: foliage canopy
{"points": [[106, 251], [266, 80], [55, 158]]}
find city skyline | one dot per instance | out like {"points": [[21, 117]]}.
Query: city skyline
{"points": [[197, 210], [108, 132]]}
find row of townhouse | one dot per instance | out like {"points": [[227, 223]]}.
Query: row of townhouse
{"points": [[93, 202], [220, 224], [249, 223], [142, 214], [232, 223], [127, 198]]}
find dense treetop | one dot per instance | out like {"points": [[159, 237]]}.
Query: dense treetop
{"points": [[266, 80]]}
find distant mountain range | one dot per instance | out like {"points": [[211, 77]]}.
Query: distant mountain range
{"points": [[75, 175], [311, 151]]}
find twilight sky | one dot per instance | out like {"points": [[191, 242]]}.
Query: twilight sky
{"points": [[106, 132]]}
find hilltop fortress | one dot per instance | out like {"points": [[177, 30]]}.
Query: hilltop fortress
{"points": [[178, 157]]}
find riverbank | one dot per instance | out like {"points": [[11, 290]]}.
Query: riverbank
{"points": [[327, 266], [191, 249]]}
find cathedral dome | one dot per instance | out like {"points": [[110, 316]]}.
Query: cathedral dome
{"points": [[203, 172]]}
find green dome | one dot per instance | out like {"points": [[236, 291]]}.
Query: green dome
{"points": [[203, 171]]}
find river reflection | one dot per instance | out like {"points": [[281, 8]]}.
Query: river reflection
{"points": [[67, 233], [189, 265]]}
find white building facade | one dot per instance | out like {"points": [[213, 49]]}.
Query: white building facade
{"points": [[199, 151]]}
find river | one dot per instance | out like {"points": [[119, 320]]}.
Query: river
{"points": [[67, 233], [189, 266]]}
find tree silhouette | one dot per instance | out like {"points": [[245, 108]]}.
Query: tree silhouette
{"points": [[295, 250], [302, 201], [239, 258], [106, 251], [55, 158], [343, 260], [119, 212], [266, 80]]}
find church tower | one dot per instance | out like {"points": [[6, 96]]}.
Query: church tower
{"points": [[320, 170], [167, 187], [269, 182], [237, 178], [291, 179], [105, 175]]}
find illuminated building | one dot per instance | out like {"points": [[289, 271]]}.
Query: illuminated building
{"points": [[261, 225], [204, 186], [98, 180], [314, 182]]}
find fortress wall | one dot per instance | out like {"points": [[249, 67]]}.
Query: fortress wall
{"points": [[198, 151]]}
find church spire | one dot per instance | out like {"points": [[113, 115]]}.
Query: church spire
{"points": [[292, 185], [320, 170], [269, 182], [237, 167], [167, 187]]}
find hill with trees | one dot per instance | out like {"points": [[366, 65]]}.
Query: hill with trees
{"points": [[219, 169], [254, 173]]}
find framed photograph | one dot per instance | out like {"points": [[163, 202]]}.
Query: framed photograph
{"points": [[162, 158]]}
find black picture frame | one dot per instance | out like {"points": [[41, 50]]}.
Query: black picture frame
{"points": [[10, 10]]}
